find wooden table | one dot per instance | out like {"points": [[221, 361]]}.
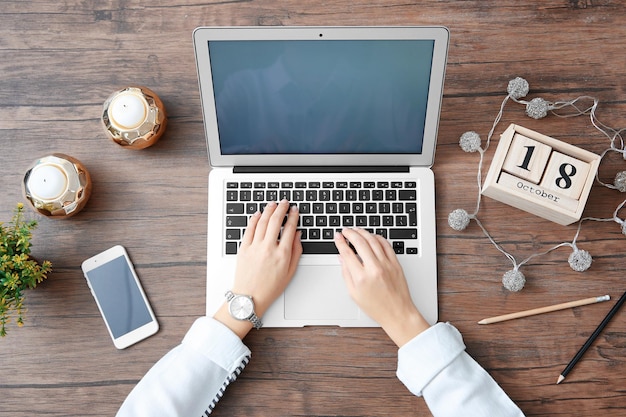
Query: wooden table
{"points": [[60, 60]]}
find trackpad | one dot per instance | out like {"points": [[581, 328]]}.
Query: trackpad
{"points": [[319, 293]]}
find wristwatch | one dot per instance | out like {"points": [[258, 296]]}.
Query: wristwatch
{"points": [[241, 307]]}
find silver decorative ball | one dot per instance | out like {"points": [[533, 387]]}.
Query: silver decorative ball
{"points": [[458, 219], [620, 181], [513, 280], [579, 260], [470, 141], [537, 108], [518, 88]]}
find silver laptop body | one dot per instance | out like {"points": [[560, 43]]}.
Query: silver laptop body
{"points": [[333, 118]]}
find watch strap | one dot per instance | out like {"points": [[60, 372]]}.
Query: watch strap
{"points": [[256, 321]]}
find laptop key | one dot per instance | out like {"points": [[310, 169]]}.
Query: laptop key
{"points": [[234, 208], [321, 221], [245, 195], [298, 195], [411, 208], [337, 195], [251, 208], [319, 248], [233, 234], [407, 195], [390, 195], [284, 194], [402, 234], [272, 195], [231, 248], [304, 208], [236, 221], [398, 248]]}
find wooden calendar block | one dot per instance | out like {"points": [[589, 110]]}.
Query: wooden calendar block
{"points": [[527, 158], [561, 191], [565, 175]]}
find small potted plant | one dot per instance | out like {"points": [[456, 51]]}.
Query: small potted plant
{"points": [[18, 271]]}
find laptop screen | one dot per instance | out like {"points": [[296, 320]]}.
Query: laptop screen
{"points": [[321, 96]]}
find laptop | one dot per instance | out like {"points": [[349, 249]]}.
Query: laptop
{"points": [[341, 121]]}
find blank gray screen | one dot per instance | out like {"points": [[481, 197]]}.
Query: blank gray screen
{"points": [[119, 297], [322, 96]]}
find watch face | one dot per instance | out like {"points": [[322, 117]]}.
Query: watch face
{"points": [[241, 307]]}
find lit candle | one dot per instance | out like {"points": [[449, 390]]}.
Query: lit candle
{"points": [[47, 182], [128, 110]]}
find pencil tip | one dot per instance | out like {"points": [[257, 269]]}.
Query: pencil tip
{"points": [[561, 378]]}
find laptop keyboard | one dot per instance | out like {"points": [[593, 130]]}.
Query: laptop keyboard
{"points": [[387, 208]]}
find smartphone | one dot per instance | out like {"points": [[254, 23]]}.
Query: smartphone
{"points": [[119, 296]]}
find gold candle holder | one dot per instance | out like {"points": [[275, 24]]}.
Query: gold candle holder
{"points": [[57, 186], [134, 117]]}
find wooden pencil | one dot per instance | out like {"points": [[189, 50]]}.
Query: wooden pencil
{"points": [[541, 310]]}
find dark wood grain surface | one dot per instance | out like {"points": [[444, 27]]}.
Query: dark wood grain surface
{"points": [[59, 61]]}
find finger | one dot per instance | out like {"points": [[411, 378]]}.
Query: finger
{"points": [[261, 228], [361, 244], [390, 254], [296, 252], [349, 259], [248, 235], [374, 242], [290, 228], [276, 221]]}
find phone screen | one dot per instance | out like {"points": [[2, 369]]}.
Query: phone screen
{"points": [[119, 297]]}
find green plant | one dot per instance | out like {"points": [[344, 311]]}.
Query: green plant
{"points": [[18, 271]]}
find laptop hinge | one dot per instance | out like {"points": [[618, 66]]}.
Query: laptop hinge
{"points": [[317, 169]]}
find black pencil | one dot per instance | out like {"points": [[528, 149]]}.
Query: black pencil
{"points": [[593, 337]]}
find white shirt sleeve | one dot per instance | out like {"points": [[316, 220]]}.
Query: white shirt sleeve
{"points": [[191, 378], [435, 365]]}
